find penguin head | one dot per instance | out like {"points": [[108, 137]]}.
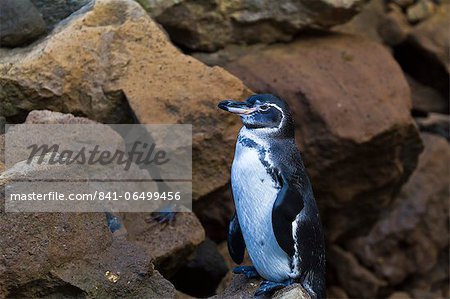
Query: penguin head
{"points": [[263, 114]]}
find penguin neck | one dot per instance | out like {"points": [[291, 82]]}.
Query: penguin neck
{"points": [[262, 139]]}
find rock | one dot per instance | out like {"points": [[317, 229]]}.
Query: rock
{"points": [[53, 11], [350, 119], [425, 53], [403, 3], [435, 123], [335, 292], [244, 288], [214, 212], [365, 23], [426, 99], [121, 271], [21, 23], [408, 240], [96, 61], [394, 27], [201, 276], [420, 10], [208, 26], [32, 245], [432, 36], [399, 295], [357, 281], [51, 117], [170, 246]]}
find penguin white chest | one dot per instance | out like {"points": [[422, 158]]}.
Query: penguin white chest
{"points": [[255, 192]]}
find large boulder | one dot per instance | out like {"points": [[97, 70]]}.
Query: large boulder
{"points": [[96, 61], [210, 25], [353, 122], [53, 11], [411, 241], [21, 23]]}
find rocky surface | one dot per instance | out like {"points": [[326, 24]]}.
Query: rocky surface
{"points": [[408, 241], [211, 25], [110, 58], [170, 246], [21, 23], [202, 275], [435, 123], [54, 11], [243, 288], [349, 116], [426, 99]]}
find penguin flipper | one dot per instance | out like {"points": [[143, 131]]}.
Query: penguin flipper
{"points": [[236, 244], [287, 206]]}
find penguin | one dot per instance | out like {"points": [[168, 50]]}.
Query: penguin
{"points": [[276, 217]]}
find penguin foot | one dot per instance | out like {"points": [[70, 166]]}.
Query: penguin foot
{"points": [[268, 287], [165, 215], [248, 271], [114, 223]]}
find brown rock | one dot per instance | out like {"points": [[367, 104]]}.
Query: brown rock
{"points": [[208, 26], [408, 240], [351, 119], [121, 271], [426, 99], [394, 27], [366, 22], [357, 281], [170, 246], [96, 61], [34, 244], [435, 123], [420, 10], [399, 295], [335, 292], [431, 36], [243, 288]]}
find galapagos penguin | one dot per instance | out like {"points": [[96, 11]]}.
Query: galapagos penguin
{"points": [[276, 217]]}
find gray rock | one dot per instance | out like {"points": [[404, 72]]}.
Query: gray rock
{"points": [[53, 11], [20, 23], [426, 99], [210, 25]]}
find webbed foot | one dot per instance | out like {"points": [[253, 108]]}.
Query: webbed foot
{"points": [[165, 215], [248, 271], [268, 287]]}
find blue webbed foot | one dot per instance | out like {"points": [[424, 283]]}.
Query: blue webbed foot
{"points": [[165, 215], [268, 287], [114, 223], [248, 271]]}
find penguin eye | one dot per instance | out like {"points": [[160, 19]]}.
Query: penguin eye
{"points": [[264, 107]]}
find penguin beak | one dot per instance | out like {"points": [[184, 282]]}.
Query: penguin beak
{"points": [[239, 108]]}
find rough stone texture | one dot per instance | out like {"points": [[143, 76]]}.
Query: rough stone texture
{"points": [[353, 122], [170, 246], [432, 35], [121, 271], [53, 11], [426, 99], [335, 292], [20, 22], [34, 244], [94, 62], [410, 238], [243, 288], [210, 25], [420, 10], [394, 27], [357, 281], [365, 23], [434, 123], [201, 276], [52, 117]]}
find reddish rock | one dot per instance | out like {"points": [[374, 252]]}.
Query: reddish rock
{"points": [[113, 62], [353, 122], [409, 239], [356, 280], [170, 246], [394, 27]]}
